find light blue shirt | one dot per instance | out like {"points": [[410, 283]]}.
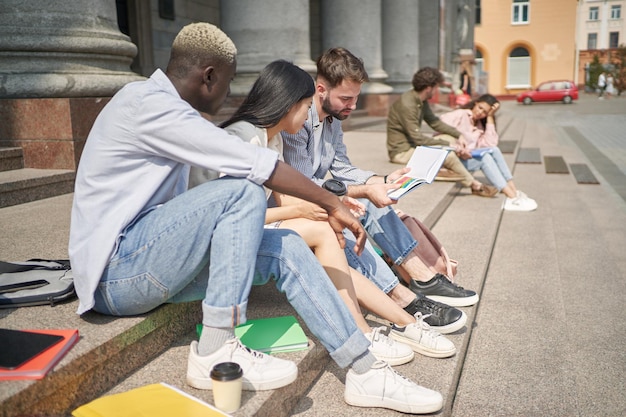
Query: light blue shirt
{"points": [[137, 157], [301, 153]]}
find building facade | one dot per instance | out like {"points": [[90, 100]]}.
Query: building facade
{"points": [[64, 57], [601, 30], [520, 43]]}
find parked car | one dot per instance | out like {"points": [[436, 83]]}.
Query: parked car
{"points": [[558, 90]]}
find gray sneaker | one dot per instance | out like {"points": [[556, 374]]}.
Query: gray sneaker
{"points": [[423, 339]]}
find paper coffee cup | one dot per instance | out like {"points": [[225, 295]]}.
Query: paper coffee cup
{"points": [[226, 378]]}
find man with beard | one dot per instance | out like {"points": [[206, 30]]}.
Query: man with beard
{"points": [[318, 148]]}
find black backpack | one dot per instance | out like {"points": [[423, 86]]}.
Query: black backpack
{"points": [[35, 282]]}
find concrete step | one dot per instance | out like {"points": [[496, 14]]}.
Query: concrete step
{"points": [[28, 184], [11, 158], [118, 354]]}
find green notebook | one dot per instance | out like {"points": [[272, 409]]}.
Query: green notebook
{"points": [[271, 335]]}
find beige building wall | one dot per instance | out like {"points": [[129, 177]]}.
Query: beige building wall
{"points": [[595, 30], [549, 36]]}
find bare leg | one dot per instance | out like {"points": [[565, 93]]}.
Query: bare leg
{"points": [[322, 240], [379, 303]]}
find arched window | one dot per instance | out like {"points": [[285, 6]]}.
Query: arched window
{"points": [[518, 69]]}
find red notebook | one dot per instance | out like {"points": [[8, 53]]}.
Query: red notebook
{"points": [[46, 347]]}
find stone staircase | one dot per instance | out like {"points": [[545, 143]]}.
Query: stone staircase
{"points": [[118, 354], [20, 185]]}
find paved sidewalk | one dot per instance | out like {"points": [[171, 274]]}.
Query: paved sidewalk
{"points": [[548, 334]]}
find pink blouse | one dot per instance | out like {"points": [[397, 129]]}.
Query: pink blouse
{"points": [[476, 136]]}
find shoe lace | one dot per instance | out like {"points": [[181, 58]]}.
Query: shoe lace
{"points": [[433, 306], [450, 281], [426, 329], [250, 352], [379, 336], [394, 376]]}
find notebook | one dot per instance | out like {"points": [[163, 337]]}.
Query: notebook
{"points": [[271, 335], [424, 164], [154, 400], [31, 354]]}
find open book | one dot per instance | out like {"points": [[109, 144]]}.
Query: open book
{"points": [[480, 152], [424, 164]]}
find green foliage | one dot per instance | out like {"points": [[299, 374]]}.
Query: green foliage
{"points": [[595, 69], [619, 74]]}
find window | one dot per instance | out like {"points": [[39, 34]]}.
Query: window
{"points": [[613, 39], [592, 41], [616, 12], [593, 13], [518, 71], [520, 11], [477, 12]]}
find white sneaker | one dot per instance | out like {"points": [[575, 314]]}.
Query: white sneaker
{"points": [[260, 371], [520, 203], [423, 339], [388, 350], [383, 387]]}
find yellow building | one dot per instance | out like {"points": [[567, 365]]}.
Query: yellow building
{"points": [[520, 43]]}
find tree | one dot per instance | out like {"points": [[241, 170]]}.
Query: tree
{"points": [[595, 69], [619, 73]]}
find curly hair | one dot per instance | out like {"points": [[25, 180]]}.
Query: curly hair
{"points": [[198, 44], [426, 77], [338, 64]]}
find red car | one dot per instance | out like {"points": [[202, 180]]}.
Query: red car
{"points": [[559, 90]]}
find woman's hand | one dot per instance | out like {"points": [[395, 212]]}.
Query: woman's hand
{"points": [[356, 207], [311, 211], [493, 109]]}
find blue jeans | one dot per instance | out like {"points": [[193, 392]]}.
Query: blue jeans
{"points": [[202, 245], [386, 229], [493, 166]]}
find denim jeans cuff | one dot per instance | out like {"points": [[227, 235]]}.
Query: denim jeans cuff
{"points": [[230, 316], [354, 347], [406, 252]]}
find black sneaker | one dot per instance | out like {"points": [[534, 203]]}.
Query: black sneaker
{"points": [[441, 289], [440, 317]]}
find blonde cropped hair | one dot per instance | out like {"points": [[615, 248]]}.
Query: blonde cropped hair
{"points": [[198, 44]]}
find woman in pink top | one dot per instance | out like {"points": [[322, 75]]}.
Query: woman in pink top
{"points": [[476, 122]]}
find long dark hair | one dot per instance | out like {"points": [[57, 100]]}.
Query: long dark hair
{"points": [[278, 88], [485, 98]]}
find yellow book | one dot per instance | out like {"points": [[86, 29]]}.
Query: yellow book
{"points": [[153, 400]]}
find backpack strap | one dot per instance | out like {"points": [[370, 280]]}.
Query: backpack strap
{"points": [[7, 267]]}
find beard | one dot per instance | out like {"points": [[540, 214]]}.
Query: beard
{"points": [[326, 107]]}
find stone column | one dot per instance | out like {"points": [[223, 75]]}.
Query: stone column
{"points": [[65, 48], [60, 62], [400, 43], [264, 31], [357, 26]]}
